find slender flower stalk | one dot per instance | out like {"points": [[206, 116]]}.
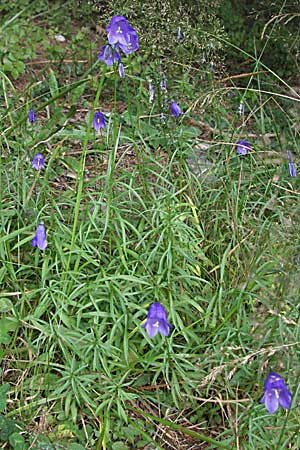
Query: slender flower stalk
{"points": [[292, 167], [38, 162], [157, 321], [276, 393], [39, 239]]}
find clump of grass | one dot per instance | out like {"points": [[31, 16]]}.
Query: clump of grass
{"points": [[148, 211]]}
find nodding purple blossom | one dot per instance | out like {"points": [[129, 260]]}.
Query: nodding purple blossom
{"points": [[292, 167], [163, 84], [31, 116], [38, 162], [39, 239], [151, 91], [122, 34], [243, 147], [179, 34], [276, 393], [241, 109], [121, 70], [157, 321], [175, 109], [109, 55], [98, 121]]}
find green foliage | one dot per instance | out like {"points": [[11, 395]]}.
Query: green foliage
{"points": [[269, 34]]}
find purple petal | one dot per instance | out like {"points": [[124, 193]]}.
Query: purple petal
{"points": [[157, 311], [121, 70], [152, 327], [292, 169], [274, 381], [243, 147], [285, 399], [109, 55], [271, 400], [164, 327], [131, 45]]}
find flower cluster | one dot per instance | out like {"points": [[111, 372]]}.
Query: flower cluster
{"points": [[121, 36]]}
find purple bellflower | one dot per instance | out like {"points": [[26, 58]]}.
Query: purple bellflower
{"points": [[39, 239], [163, 84], [179, 34], [38, 162], [122, 34], [241, 109], [157, 321], [151, 91], [31, 116], [243, 147], [276, 393], [98, 121], [175, 109], [292, 167], [109, 54], [121, 70]]}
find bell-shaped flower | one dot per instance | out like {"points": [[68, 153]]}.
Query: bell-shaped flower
{"points": [[31, 116], [151, 91], [38, 162], [157, 321], [241, 109], [123, 34], [98, 121], [163, 84], [109, 54], [276, 393], [243, 147], [179, 34], [39, 239], [121, 70], [175, 109], [292, 167]]}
